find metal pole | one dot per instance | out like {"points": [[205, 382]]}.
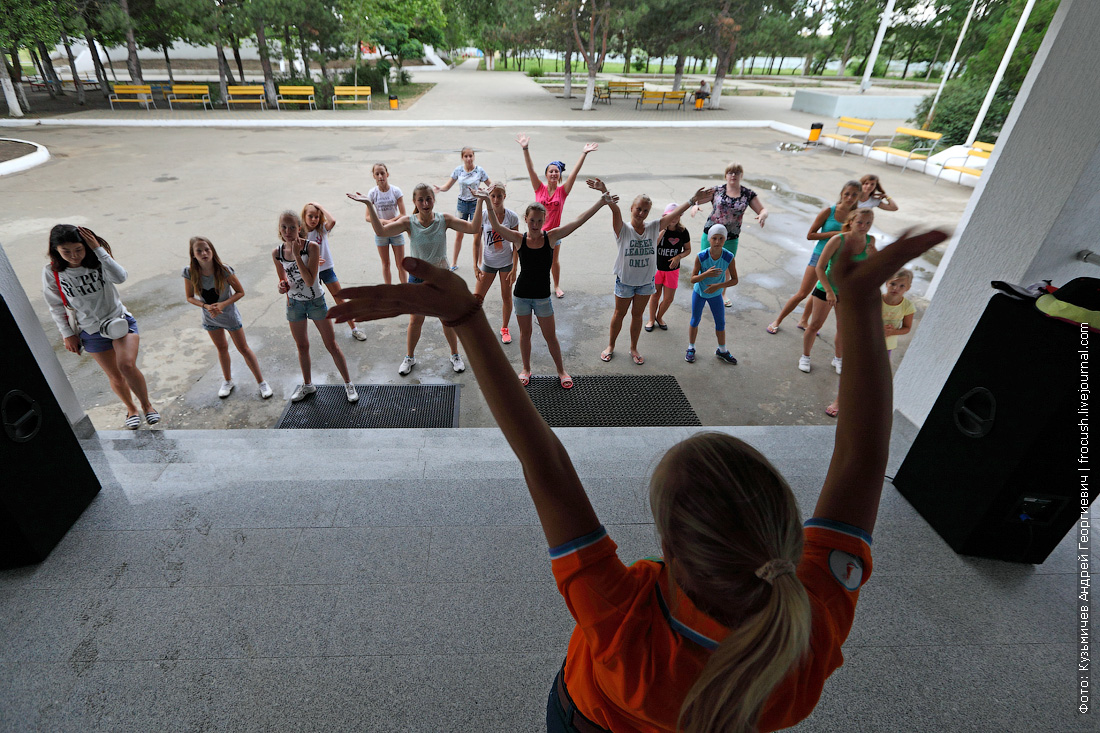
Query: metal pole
{"points": [[886, 16], [950, 65], [1000, 73]]}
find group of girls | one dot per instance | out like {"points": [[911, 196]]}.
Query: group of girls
{"points": [[739, 625]]}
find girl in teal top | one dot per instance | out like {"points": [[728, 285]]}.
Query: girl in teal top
{"points": [[853, 242], [827, 222]]}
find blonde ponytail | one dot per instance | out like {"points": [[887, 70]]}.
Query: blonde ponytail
{"points": [[724, 513]]}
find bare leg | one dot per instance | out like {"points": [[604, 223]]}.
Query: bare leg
{"points": [[126, 351], [807, 313], [653, 302], [298, 330], [821, 312], [107, 362], [246, 351], [506, 302], [622, 305], [555, 272], [458, 248], [525, 344], [452, 339], [221, 343], [399, 256], [666, 301], [328, 338], [809, 278], [549, 332], [412, 336], [637, 312], [482, 286], [384, 255]]}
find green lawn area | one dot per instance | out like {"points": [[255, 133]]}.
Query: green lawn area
{"points": [[609, 67]]}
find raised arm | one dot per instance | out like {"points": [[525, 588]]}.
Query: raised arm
{"points": [[560, 500], [588, 148], [329, 221], [400, 225], [566, 229], [467, 227], [679, 211], [112, 271], [309, 266], [853, 485], [511, 235], [524, 141], [616, 215]]}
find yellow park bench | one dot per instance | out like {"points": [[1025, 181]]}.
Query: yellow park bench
{"points": [[190, 94], [979, 150], [351, 95], [600, 91], [916, 153], [655, 98], [678, 98], [252, 94], [625, 88], [853, 124], [295, 95], [138, 93]]}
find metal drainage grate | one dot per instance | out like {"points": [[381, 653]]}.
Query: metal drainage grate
{"points": [[613, 401], [379, 406]]}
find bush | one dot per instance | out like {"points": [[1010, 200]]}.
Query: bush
{"points": [[322, 89], [371, 75], [958, 107], [535, 72]]}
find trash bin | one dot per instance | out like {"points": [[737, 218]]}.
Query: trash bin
{"points": [[815, 132], [393, 101], [699, 102]]}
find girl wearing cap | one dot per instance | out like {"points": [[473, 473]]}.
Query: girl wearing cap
{"points": [[673, 245], [552, 194]]}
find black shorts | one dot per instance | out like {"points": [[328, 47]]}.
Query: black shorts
{"points": [[819, 293]]}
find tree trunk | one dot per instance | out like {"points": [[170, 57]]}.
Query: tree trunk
{"points": [[100, 73], [771, 64], [52, 79], [14, 110], [15, 70], [132, 62], [72, 65], [568, 91], [288, 50], [303, 48], [42, 72], [844, 57], [235, 42], [678, 75], [647, 60], [168, 63], [110, 63], [935, 57], [909, 59], [225, 78], [265, 62]]}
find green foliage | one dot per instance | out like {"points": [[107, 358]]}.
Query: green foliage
{"points": [[371, 75], [958, 108], [535, 72]]}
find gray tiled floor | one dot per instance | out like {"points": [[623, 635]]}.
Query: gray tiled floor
{"points": [[399, 582]]}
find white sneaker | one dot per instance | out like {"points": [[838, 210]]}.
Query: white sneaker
{"points": [[265, 390], [804, 364], [406, 366], [226, 388], [358, 335], [353, 396], [456, 363], [836, 363], [302, 391]]}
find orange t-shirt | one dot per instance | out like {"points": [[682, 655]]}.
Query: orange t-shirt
{"points": [[638, 648]]}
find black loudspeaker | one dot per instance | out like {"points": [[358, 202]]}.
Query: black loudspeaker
{"points": [[47, 480], [994, 467]]}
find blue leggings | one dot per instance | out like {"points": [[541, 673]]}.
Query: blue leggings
{"points": [[717, 309]]}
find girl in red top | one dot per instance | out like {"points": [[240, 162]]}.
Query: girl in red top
{"points": [[552, 194], [741, 623]]}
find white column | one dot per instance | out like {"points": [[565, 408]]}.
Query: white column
{"points": [[887, 15], [1035, 207], [42, 348], [950, 64], [1000, 73]]}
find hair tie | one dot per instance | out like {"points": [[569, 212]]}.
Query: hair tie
{"points": [[772, 569]]}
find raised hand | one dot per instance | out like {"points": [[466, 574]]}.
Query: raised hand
{"points": [[361, 198], [702, 195], [860, 281], [609, 199], [591, 147], [597, 184], [523, 140], [442, 295], [89, 237]]}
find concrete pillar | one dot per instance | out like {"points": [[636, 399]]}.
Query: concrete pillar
{"points": [[40, 346], [1037, 205]]}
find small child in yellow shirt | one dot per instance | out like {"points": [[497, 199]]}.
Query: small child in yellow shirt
{"points": [[897, 318]]}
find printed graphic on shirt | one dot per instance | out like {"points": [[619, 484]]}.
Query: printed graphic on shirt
{"points": [[848, 569], [639, 252], [89, 283]]}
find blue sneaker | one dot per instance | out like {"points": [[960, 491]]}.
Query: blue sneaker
{"points": [[689, 357], [725, 356]]}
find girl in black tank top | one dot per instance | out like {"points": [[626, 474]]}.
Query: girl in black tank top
{"points": [[534, 269]]}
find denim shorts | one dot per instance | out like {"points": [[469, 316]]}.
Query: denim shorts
{"points": [[398, 240], [328, 276], [629, 291], [487, 268], [813, 259], [542, 307], [466, 209], [237, 327], [300, 310], [93, 343]]}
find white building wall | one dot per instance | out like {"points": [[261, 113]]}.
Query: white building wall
{"points": [[1035, 207]]}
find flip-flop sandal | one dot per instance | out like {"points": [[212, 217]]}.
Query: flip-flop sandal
{"points": [[648, 327], [662, 326], [638, 359], [133, 422], [524, 379], [606, 356], [772, 329], [832, 411], [566, 382], [559, 293], [727, 302], [152, 417], [801, 327]]}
